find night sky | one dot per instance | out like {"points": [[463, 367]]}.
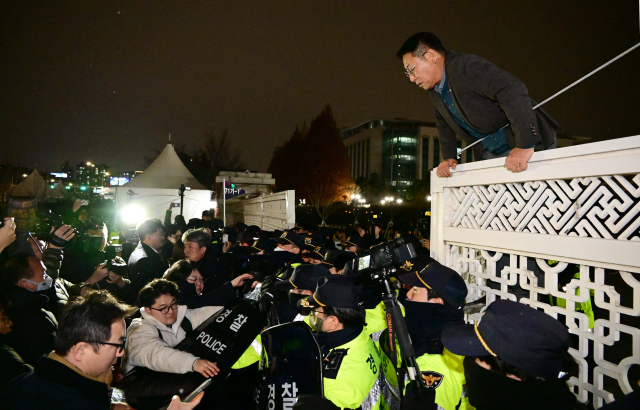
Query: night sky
{"points": [[107, 81]]}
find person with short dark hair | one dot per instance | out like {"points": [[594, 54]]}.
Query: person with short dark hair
{"points": [[34, 325], [433, 303], [516, 357], [475, 99], [198, 248], [351, 363], [77, 374], [146, 262], [164, 323]]}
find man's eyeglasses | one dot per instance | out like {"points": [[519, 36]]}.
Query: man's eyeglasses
{"points": [[5, 319], [197, 280], [412, 71], [165, 310], [120, 346]]}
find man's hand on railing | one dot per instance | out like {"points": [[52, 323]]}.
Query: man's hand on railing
{"points": [[443, 168], [517, 159]]}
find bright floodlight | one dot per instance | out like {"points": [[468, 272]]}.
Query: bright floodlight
{"points": [[399, 201], [132, 214], [429, 198], [382, 202]]}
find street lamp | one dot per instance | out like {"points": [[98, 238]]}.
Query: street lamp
{"points": [[357, 198], [391, 201]]}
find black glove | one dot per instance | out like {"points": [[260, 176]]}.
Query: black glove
{"points": [[418, 397], [311, 402], [268, 290]]}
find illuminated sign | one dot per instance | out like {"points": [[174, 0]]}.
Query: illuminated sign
{"points": [[60, 174], [118, 181]]}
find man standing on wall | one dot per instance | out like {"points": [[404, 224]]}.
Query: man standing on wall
{"points": [[476, 100]]}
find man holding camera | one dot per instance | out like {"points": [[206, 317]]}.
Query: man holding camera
{"points": [[89, 264]]}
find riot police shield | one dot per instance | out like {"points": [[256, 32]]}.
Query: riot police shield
{"points": [[291, 365], [221, 339]]}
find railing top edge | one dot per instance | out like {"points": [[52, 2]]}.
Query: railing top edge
{"points": [[587, 160], [618, 144]]}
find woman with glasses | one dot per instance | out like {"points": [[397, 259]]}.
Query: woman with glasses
{"points": [[164, 323], [191, 284]]}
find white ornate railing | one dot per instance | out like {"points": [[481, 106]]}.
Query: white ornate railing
{"points": [[563, 237]]}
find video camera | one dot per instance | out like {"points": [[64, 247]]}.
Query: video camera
{"points": [[50, 221], [378, 262]]}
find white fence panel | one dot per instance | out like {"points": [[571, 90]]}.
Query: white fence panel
{"points": [[563, 237], [270, 212]]}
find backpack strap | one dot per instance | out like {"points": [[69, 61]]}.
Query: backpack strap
{"points": [[186, 326]]}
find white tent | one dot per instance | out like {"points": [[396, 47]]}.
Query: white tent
{"points": [[33, 185], [149, 194]]}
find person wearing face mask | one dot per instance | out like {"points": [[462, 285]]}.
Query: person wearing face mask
{"points": [[433, 303], [164, 324], [34, 326], [301, 285], [286, 257], [191, 283], [516, 357], [288, 253], [351, 364]]}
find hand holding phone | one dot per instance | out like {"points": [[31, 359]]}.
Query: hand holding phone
{"points": [[197, 391]]}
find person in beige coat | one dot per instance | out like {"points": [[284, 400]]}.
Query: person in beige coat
{"points": [[151, 339]]}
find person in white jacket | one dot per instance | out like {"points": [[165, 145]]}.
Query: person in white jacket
{"points": [[151, 339]]}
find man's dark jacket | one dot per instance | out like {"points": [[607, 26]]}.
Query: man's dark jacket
{"points": [[51, 386], [488, 98], [145, 264], [11, 363], [34, 328]]}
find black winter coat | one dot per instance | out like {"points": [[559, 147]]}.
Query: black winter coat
{"points": [[34, 328], [11, 363], [145, 264], [53, 386]]}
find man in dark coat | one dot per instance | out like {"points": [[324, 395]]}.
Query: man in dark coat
{"points": [[32, 295], [77, 374], [146, 263], [474, 99]]}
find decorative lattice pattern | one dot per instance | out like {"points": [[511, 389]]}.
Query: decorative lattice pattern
{"points": [[606, 348], [601, 207]]}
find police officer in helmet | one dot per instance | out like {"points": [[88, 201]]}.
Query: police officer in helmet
{"points": [[351, 364], [433, 303]]}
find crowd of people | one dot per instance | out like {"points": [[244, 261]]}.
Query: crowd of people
{"points": [[72, 322]]}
